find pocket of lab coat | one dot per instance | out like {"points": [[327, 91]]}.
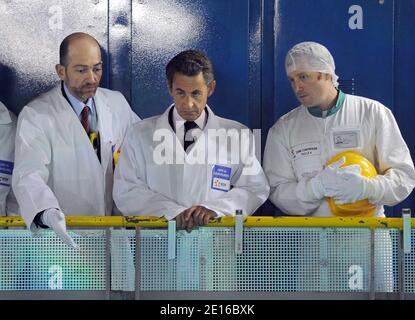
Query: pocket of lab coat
{"points": [[307, 166]]}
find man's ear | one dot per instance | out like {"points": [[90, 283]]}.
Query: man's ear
{"points": [[170, 90], [211, 88], [61, 71]]}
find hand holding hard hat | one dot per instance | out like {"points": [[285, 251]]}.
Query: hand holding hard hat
{"points": [[327, 182], [350, 198], [326, 178]]}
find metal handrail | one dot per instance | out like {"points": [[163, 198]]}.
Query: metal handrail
{"points": [[250, 221]]}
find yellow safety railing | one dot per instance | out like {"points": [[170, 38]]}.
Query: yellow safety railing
{"points": [[251, 221]]}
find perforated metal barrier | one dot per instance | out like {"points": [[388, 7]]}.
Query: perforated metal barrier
{"points": [[274, 260]]}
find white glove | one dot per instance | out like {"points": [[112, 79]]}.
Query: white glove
{"points": [[322, 183], [55, 219], [356, 187]]}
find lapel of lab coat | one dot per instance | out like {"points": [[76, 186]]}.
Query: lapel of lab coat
{"points": [[210, 140], [174, 174], [212, 122], [4, 114], [67, 119], [105, 129], [162, 123]]}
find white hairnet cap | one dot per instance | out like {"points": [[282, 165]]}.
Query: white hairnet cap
{"points": [[311, 57]]}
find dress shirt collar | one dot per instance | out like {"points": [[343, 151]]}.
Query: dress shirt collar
{"points": [[178, 121], [77, 104]]}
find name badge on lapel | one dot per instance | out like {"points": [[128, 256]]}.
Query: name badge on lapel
{"points": [[221, 178], [6, 170], [346, 139], [305, 150]]}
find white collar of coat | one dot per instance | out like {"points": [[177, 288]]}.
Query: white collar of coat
{"points": [[164, 119], [104, 115], [103, 110], [4, 114], [162, 123], [178, 121]]}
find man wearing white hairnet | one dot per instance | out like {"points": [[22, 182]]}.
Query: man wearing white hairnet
{"points": [[303, 140]]}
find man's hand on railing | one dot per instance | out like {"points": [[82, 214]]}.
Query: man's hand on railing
{"points": [[193, 217], [55, 219]]}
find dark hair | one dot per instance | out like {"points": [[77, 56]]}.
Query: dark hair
{"points": [[190, 63], [64, 46]]}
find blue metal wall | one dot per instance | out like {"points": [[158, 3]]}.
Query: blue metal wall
{"points": [[246, 39]]}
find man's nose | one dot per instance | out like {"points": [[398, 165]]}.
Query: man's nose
{"points": [[188, 101], [91, 76]]}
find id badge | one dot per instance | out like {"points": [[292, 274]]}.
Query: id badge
{"points": [[221, 178], [6, 170], [305, 150], [346, 139]]}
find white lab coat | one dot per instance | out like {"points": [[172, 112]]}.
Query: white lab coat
{"points": [[8, 204], [299, 144], [56, 165], [144, 187]]}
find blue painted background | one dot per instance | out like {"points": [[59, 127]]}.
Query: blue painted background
{"points": [[246, 40]]}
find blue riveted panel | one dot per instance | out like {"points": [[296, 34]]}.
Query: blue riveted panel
{"points": [[267, 67], [119, 44], [256, 22], [30, 34], [359, 54], [404, 81]]}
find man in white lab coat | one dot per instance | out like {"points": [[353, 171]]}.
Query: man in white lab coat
{"points": [[326, 123], [8, 204], [170, 165], [66, 142]]}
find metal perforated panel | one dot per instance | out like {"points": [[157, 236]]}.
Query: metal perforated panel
{"points": [[122, 260], [409, 279], [273, 260], [345, 264], [154, 261], [386, 260], [45, 263]]}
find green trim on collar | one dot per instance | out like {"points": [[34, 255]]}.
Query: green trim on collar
{"points": [[317, 112]]}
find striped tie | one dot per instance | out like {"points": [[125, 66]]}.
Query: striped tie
{"points": [[85, 120]]}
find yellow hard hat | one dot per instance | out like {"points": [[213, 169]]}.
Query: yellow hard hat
{"points": [[362, 208]]}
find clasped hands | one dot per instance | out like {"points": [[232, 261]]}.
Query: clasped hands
{"points": [[193, 217], [344, 185]]}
